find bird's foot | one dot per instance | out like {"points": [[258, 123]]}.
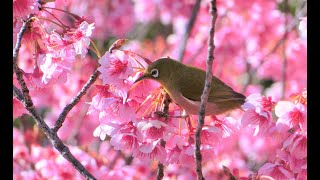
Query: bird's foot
{"points": [[163, 114]]}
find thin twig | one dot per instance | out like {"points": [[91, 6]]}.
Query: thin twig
{"points": [[190, 24], [28, 104], [74, 101], [165, 110], [227, 171], [207, 87], [55, 17], [19, 38], [284, 63]]}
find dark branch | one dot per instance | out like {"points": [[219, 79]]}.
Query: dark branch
{"points": [[52, 136], [207, 87], [160, 173], [228, 173], [75, 100], [190, 24], [165, 110]]}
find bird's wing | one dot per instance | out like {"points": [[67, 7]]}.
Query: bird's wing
{"points": [[189, 87], [220, 92]]}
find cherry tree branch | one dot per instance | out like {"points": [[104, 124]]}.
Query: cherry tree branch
{"points": [[165, 110], [189, 27], [51, 135], [28, 104], [19, 38], [207, 87], [17, 93], [75, 100]]}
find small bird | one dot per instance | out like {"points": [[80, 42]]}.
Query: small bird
{"points": [[185, 85]]}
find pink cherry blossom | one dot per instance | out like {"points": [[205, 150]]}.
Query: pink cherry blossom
{"points": [[124, 141], [302, 175], [96, 105], [173, 139], [187, 155], [297, 145], [34, 79], [81, 38], [152, 129], [253, 119], [293, 115], [153, 150], [115, 67], [55, 69], [105, 129], [144, 89], [211, 135], [173, 155], [59, 46], [116, 111], [126, 138], [58, 62], [226, 126], [258, 113], [276, 171]]}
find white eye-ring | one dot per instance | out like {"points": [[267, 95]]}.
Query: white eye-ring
{"points": [[155, 73]]}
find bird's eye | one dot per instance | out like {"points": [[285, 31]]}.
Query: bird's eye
{"points": [[155, 73]]}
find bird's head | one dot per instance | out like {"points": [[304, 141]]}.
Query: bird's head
{"points": [[160, 70]]}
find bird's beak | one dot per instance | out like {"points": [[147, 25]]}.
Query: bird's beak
{"points": [[139, 79]]}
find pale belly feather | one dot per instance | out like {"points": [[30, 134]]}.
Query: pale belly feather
{"points": [[193, 107]]}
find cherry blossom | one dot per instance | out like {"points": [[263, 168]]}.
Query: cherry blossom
{"points": [[147, 151], [81, 38], [115, 67], [292, 115], [297, 145], [276, 171], [152, 129], [258, 113]]}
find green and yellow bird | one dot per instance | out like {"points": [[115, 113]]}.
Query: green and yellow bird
{"points": [[185, 85]]}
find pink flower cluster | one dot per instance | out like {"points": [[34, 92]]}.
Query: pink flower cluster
{"points": [[118, 108], [289, 128], [55, 52], [33, 161]]}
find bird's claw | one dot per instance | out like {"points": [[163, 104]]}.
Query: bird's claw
{"points": [[161, 114]]}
